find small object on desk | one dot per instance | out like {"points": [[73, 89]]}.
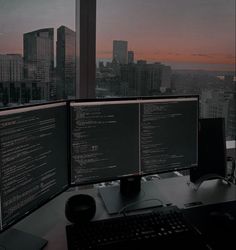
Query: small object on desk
{"points": [[80, 208], [230, 170]]}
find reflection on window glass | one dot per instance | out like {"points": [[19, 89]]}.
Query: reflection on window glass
{"points": [[37, 51], [169, 47]]}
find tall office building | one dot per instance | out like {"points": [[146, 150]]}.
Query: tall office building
{"points": [[11, 76], [120, 51], [39, 60], [219, 103], [130, 57], [65, 63], [146, 79], [11, 68], [165, 78]]}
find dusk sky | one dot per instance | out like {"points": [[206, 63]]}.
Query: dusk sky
{"points": [[198, 34]]}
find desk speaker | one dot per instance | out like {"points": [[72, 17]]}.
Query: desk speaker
{"points": [[80, 208], [211, 151]]}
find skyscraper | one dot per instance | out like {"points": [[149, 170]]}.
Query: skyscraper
{"points": [[130, 57], [11, 75], [39, 60], [65, 63], [11, 68], [120, 51]]}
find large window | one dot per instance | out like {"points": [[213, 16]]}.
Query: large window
{"points": [[37, 51], [169, 47], [143, 48]]}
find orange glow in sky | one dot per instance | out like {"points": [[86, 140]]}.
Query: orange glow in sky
{"points": [[177, 57], [183, 31], [178, 31]]}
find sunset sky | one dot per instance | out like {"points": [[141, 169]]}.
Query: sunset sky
{"points": [[198, 34]]}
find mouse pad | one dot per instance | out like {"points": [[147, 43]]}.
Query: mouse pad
{"points": [[217, 223]]}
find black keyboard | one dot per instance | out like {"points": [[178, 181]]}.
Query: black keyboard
{"points": [[165, 227]]}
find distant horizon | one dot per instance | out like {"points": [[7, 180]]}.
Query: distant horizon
{"points": [[174, 65], [185, 34], [183, 65]]}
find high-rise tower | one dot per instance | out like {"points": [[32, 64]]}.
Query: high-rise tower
{"points": [[130, 57], [120, 51], [39, 61], [65, 63]]}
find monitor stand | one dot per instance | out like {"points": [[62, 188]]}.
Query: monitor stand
{"points": [[14, 239], [132, 194]]}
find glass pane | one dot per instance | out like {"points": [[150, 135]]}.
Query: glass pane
{"points": [[37, 51], [169, 47]]}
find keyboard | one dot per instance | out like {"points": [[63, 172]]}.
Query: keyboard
{"points": [[164, 227]]}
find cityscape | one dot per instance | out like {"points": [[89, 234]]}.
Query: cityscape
{"points": [[40, 76], [103, 102], [33, 77]]}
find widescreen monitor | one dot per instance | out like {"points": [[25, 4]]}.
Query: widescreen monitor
{"points": [[33, 158], [125, 138]]}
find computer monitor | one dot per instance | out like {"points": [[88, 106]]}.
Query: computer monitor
{"points": [[129, 138], [33, 158]]}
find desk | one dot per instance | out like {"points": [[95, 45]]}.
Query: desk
{"points": [[49, 221]]}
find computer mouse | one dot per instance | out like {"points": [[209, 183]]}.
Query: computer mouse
{"points": [[80, 208]]}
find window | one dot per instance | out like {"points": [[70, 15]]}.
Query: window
{"points": [[37, 51], [169, 47], [143, 47]]}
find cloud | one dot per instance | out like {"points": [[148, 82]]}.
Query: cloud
{"points": [[201, 55], [229, 56], [104, 52], [174, 54]]}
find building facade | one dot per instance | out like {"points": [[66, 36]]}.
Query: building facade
{"points": [[65, 63], [220, 104], [145, 79], [11, 68], [120, 51], [130, 57], [39, 61]]}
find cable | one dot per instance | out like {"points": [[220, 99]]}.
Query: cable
{"points": [[122, 210]]}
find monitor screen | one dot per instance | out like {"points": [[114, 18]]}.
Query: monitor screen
{"points": [[113, 139], [33, 158]]}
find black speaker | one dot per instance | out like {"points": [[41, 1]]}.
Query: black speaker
{"points": [[211, 151], [80, 208]]}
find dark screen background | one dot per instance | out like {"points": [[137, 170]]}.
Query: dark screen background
{"points": [[169, 134], [105, 142]]}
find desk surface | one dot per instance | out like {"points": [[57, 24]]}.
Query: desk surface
{"points": [[49, 221]]}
